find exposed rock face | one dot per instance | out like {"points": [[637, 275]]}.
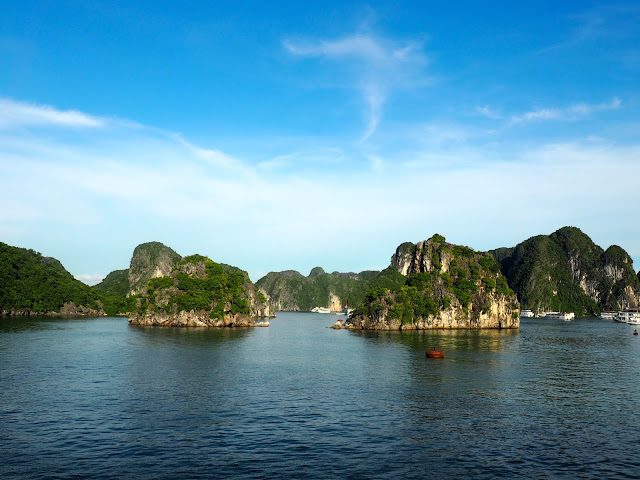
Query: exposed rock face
{"points": [[447, 286], [200, 293], [566, 271], [150, 260], [291, 291]]}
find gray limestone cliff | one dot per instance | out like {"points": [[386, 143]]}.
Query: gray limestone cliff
{"points": [[567, 271], [150, 260], [446, 286], [198, 292]]}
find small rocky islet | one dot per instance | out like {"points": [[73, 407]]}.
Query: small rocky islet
{"points": [[430, 284]]}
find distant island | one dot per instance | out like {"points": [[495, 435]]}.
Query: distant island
{"points": [[446, 286], [293, 292], [564, 271]]}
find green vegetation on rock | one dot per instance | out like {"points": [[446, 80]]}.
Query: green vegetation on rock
{"points": [[291, 291], [150, 260], [200, 286], [444, 280], [567, 272], [33, 284]]}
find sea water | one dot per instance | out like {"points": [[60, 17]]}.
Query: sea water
{"points": [[98, 398]]}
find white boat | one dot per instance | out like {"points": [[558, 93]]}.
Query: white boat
{"points": [[527, 314], [321, 310], [608, 315], [629, 315], [561, 315]]}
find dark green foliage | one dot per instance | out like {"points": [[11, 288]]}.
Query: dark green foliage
{"points": [[294, 291], [33, 283], [546, 271], [425, 294], [438, 239], [116, 283], [460, 251], [221, 290]]}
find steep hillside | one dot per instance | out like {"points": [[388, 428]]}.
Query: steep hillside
{"points": [[446, 286], [200, 292], [31, 284], [150, 260], [292, 291], [566, 271]]}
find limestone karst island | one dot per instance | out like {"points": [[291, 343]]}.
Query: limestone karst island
{"points": [[428, 285]]}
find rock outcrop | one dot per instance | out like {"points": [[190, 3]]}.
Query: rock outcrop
{"points": [[150, 260], [200, 293], [446, 286], [293, 292], [566, 271]]}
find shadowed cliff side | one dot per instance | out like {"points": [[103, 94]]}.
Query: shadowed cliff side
{"points": [[567, 272]]}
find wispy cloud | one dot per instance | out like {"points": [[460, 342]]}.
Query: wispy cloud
{"points": [[488, 112], [601, 24], [382, 65], [19, 114], [573, 112], [148, 185]]}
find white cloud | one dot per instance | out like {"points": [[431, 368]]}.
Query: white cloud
{"points": [[382, 65], [134, 185], [573, 112], [19, 114], [90, 278], [488, 112]]}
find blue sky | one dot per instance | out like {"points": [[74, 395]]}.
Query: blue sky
{"points": [[277, 135]]}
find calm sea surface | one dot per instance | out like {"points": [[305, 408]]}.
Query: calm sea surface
{"points": [[100, 398]]}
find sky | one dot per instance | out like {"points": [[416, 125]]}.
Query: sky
{"points": [[287, 135]]}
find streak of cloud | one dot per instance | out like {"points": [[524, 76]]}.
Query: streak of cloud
{"points": [[382, 65]]}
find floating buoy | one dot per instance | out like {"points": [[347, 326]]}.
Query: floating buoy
{"points": [[435, 353], [635, 332]]}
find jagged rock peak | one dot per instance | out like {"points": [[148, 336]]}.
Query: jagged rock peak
{"points": [[446, 286], [150, 260], [421, 257], [316, 272], [200, 292]]}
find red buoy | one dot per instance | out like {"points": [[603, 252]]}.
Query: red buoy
{"points": [[435, 353]]}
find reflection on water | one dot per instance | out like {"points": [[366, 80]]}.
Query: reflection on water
{"points": [[451, 340], [101, 398]]}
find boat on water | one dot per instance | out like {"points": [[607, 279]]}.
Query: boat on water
{"points": [[608, 315], [345, 311], [527, 314], [320, 310], [629, 315], [561, 315]]}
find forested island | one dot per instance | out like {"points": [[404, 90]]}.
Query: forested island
{"points": [[567, 272], [446, 286], [563, 271]]}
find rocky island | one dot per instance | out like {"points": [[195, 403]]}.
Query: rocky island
{"points": [[567, 272], [199, 292], [446, 286], [293, 292]]}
